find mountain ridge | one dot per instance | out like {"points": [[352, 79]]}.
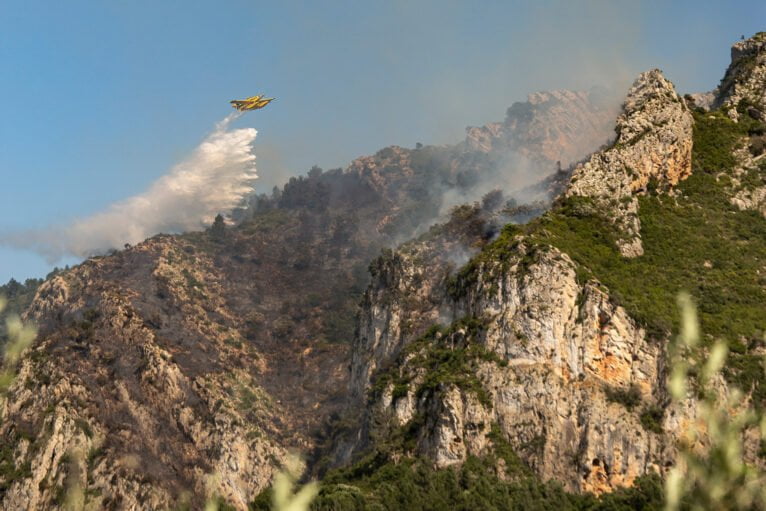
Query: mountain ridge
{"points": [[214, 352], [517, 342]]}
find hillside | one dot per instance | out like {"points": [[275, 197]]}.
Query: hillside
{"points": [[216, 352], [481, 325], [545, 353]]}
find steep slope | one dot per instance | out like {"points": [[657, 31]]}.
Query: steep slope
{"points": [[654, 142], [557, 126], [528, 344], [214, 353], [744, 82], [552, 338]]}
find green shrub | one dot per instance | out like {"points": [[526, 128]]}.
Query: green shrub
{"points": [[629, 398], [651, 419], [413, 484]]}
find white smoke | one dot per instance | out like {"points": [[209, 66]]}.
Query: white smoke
{"points": [[514, 174], [214, 179]]}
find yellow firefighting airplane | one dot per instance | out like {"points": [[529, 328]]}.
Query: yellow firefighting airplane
{"points": [[251, 103]]}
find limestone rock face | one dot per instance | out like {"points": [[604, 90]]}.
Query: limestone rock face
{"points": [[748, 188], [457, 425], [555, 349], [553, 126], [654, 142], [745, 78], [399, 302], [532, 352], [752, 199], [138, 404]]}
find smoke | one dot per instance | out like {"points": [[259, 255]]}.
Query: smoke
{"points": [[514, 175], [214, 179]]}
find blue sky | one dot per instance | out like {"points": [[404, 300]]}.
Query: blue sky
{"points": [[98, 99]]}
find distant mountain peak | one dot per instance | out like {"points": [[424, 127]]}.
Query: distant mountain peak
{"points": [[550, 126]]}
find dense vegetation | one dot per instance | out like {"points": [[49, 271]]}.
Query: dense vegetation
{"points": [[497, 481]]}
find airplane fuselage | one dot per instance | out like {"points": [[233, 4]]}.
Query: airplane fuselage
{"points": [[251, 103]]}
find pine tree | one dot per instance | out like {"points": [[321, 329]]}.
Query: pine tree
{"points": [[218, 230]]}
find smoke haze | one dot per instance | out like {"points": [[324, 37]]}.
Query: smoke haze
{"points": [[213, 179]]}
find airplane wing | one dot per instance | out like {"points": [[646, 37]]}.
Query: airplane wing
{"points": [[263, 102], [251, 103]]}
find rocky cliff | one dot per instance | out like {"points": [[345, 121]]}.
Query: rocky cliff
{"points": [[654, 142], [188, 365], [745, 79], [552, 336], [527, 346]]}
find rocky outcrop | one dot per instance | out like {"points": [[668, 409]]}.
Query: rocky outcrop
{"points": [[138, 403], [548, 358], [399, 302], [548, 361], [654, 143], [745, 78], [748, 186], [752, 199], [567, 346], [187, 366], [555, 126]]}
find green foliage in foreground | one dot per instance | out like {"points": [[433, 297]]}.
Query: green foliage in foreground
{"points": [[283, 495], [18, 296], [717, 475], [20, 337]]}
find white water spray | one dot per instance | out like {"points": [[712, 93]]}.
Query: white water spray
{"points": [[214, 179]]}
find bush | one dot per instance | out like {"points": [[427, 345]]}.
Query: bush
{"points": [[651, 419], [629, 398], [412, 484]]}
